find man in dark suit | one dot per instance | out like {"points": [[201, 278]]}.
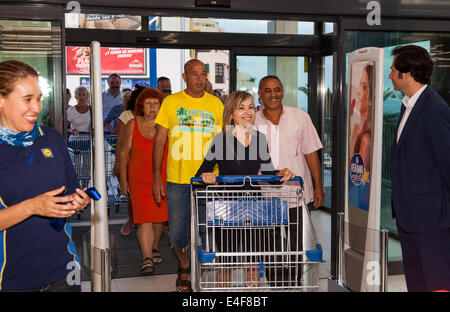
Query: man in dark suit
{"points": [[420, 172]]}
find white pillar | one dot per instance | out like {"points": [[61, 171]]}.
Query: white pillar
{"points": [[100, 255]]}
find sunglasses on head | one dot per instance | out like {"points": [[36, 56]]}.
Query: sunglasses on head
{"points": [[166, 90]]}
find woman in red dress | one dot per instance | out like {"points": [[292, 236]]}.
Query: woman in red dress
{"points": [[136, 177]]}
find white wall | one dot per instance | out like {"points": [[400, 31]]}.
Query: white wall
{"points": [[72, 82], [217, 56], [170, 64]]}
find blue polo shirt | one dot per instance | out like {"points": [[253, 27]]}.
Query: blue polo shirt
{"points": [[32, 253], [109, 101], [113, 117]]}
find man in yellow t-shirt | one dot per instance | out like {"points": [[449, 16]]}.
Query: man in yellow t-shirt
{"points": [[190, 119]]}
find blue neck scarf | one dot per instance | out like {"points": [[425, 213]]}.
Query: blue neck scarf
{"points": [[22, 139]]}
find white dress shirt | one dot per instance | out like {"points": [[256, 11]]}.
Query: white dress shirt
{"points": [[409, 104]]}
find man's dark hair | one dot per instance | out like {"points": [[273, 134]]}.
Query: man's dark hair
{"points": [[162, 78], [415, 60], [112, 76], [269, 77]]}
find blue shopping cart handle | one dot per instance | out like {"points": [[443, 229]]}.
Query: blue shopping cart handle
{"points": [[241, 179]]}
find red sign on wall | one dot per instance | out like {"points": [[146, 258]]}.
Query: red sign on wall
{"points": [[124, 61]]}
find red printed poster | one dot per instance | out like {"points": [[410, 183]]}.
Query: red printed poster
{"points": [[124, 61]]}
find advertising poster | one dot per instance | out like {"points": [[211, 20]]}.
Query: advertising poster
{"points": [[360, 135], [122, 61], [103, 21], [364, 155]]}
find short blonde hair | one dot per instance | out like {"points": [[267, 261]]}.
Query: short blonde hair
{"points": [[233, 101], [80, 88]]}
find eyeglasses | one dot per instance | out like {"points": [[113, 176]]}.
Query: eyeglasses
{"points": [[166, 90]]}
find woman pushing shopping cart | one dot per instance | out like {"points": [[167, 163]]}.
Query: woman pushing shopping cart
{"points": [[252, 236], [243, 230]]}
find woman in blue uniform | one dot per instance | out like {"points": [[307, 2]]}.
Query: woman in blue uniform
{"points": [[38, 191]]}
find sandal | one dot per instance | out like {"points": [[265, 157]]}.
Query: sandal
{"points": [[147, 266], [156, 258], [183, 282]]}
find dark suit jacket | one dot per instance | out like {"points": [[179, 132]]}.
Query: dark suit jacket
{"points": [[420, 166]]}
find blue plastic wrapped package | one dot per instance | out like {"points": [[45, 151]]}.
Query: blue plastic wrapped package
{"points": [[247, 211]]}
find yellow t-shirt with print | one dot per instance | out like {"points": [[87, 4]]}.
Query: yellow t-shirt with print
{"points": [[192, 124]]}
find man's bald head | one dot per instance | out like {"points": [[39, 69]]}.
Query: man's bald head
{"points": [[195, 78], [189, 63]]}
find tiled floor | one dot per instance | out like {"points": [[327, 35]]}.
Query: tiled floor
{"points": [[156, 283], [166, 283], [396, 283]]}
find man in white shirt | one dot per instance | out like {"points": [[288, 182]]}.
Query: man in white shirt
{"points": [[293, 140], [293, 144], [420, 172]]}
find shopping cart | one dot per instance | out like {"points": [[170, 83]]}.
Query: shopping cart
{"points": [[111, 180], [244, 236], [79, 148]]}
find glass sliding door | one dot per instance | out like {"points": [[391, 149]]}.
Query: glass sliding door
{"points": [[38, 43], [298, 84], [327, 135], [292, 71]]}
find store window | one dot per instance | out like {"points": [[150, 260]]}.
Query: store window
{"points": [[38, 44], [328, 28], [194, 24], [220, 73], [143, 66], [103, 21], [438, 45], [292, 71], [327, 128]]}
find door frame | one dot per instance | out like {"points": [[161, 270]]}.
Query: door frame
{"points": [[298, 52]]}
